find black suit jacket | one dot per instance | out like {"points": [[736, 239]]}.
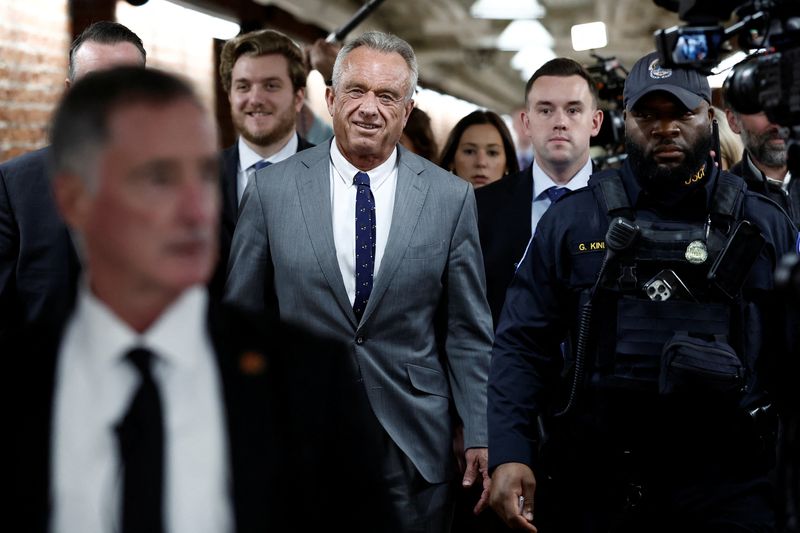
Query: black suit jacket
{"points": [[229, 170], [303, 441], [504, 226], [789, 200], [38, 262]]}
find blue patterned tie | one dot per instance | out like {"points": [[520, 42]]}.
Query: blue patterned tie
{"points": [[555, 193], [365, 242], [262, 164]]}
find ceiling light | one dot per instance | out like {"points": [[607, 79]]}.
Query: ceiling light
{"points": [[530, 58], [522, 33], [189, 16], [507, 9], [590, 36]]}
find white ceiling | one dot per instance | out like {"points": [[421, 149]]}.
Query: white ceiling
{"points": [[456, 53]]}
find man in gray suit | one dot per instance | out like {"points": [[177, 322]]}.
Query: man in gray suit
{"points": [[419, 329]]}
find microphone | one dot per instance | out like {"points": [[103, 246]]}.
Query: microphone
{"points": [[360, 15]]}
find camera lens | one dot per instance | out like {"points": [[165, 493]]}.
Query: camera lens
{"points": [[742, 88]]}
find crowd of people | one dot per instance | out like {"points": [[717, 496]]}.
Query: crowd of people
{"points": [[362, 332]]}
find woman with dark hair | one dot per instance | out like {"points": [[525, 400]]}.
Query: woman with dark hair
{"points": [[418, 135], [480, 149]]}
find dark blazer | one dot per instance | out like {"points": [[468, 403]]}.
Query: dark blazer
{"points": [[504, 225], [38, 263], [292, 416], [789, 199], [229, 169]]}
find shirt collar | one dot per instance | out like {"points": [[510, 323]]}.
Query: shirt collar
{"points": [[377, 175], [173, 337], [248, 157], [542, 182]]}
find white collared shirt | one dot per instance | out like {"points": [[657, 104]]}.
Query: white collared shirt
{"points": [[383, 182], [542, 182], [94, 388], [248, 157]]}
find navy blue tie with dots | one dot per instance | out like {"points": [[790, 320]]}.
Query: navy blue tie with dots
{"points": [[365, 242], [555, 193]]}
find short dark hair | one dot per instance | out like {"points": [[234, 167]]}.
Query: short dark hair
{"points": [[260, 43], [563, 67], [104, 32], [80, 126], [480, 116]]}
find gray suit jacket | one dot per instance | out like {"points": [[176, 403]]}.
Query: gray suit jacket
{"points": [[423, 344]]}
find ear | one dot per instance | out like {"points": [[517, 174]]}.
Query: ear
{"points": [[733, 121], [409, 107], [299, 99], [72, 199], [329, 98], [597, 121]]}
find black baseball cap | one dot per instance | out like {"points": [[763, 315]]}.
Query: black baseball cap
{"points": [[647, 75]]}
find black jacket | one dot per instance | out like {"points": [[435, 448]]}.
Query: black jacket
{"points": [[789, 199]]}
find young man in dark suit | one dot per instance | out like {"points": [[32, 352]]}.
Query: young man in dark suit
{"points": [[264, 73], [561, 115], [38, 265]]}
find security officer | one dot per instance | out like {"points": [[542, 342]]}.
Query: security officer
{"points": [[660, 277]]}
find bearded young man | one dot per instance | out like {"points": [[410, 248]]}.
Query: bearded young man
{"points": [[658, 425], [264, 73]]}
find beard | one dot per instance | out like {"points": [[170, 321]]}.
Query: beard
{"points": [[663, 179], [284, 124], [760, 148]]}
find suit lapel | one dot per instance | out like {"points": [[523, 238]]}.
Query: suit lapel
{"points": [[313, 187], [409, 198], [230, 200]]}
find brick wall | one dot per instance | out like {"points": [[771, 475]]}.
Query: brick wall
{"points": [[34, 44]]}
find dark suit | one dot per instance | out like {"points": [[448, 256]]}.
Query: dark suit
{"points": [[504, 225], [789, 199], [294, 422], [229, 167], [38, 263]]}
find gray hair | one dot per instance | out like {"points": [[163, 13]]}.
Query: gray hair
{"points": [[103, 32], [385, 43]]}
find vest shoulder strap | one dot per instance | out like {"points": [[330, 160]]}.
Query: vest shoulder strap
{"points": [[728, 195], [610, 193]]}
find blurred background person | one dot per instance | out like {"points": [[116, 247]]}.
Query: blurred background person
{"points": [[418, 135], [522, 140], [730, 145], [480, 149]]}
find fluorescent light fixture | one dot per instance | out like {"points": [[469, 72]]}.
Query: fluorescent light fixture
{"points": [[522, 33], [589, 36], [721, 71], [211, 25], [507, 9], [530, 58]]}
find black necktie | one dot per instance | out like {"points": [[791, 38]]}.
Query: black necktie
{"points": [[365, 242], [141, 442], [555, 193]]}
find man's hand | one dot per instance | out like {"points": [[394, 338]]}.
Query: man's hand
{"points": [[513, 486], [478, 463]]}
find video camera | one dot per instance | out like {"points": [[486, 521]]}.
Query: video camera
{"points": [[609, 76], [769, 81]]}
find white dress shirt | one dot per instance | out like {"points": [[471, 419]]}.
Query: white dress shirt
{"points": [[542, 182], [248, 158], [94, 388], [383, 182]]}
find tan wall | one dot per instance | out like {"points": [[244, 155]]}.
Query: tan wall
{"points": [[34, 43]]}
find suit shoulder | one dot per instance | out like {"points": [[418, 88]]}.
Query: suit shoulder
{"points": [[31, 162]]}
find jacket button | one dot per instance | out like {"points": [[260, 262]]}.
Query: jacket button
{"points": [[359, 340]]}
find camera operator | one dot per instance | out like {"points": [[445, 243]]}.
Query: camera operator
{"points": [[661, 275], [764, 161]]}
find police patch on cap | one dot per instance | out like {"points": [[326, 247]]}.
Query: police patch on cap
{"points": [[688, 86]]}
